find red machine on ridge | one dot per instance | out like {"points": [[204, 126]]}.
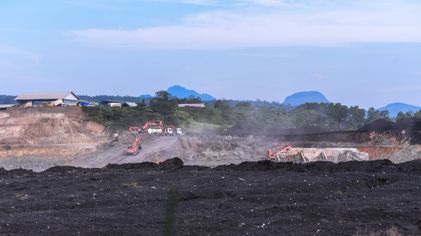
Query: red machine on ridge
{"points": [[273, 153], [156, 127], [135, 147]]}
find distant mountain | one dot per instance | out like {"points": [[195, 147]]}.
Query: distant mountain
{"points": [[395, 108], [300, 98], [146, 97], [181, 92]]}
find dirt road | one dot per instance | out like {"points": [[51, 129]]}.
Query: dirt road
{"points": [[115, 153], [355, 198]]}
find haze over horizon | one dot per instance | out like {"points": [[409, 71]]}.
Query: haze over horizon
{"points": [[354, 52]]}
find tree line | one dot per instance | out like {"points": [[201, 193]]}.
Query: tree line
{"points": [[241, 116]]}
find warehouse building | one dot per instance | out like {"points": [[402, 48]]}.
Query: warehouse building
{"points": [[194, 105], [129, 104], [112, 103], [6, 106], [47, 99]]}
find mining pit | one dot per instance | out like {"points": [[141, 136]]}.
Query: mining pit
{"points": [[40, 138], [62, 174]]}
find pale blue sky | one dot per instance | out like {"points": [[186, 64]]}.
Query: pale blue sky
{"points": [[357, 52]]}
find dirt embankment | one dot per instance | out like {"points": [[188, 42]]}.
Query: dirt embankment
{"points": [[48, 132], [263, 198]]}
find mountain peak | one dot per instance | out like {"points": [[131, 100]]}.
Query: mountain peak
{"points": [[176, 87], [182, 92], [300, 98], [395, 108]]}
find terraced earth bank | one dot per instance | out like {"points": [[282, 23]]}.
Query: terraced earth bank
{"points": [[45, 137], [263, 198]]}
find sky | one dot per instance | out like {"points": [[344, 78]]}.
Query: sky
{"points": [[358, 52]]}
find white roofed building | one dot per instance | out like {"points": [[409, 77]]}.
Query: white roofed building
{"points": [[48, 99], [6, 106], [129, 104], [195, 105]]}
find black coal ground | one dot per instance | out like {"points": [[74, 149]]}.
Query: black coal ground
{"points": [[263, 198]]}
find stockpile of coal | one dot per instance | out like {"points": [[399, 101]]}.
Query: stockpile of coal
{"points": [[253, 198]]}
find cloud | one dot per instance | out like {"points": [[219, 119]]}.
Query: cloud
{"points": [[384, 23]]}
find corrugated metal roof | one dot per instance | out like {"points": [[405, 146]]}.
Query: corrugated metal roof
{"points": [[3, 106], [131, 104], [44, 96], [199, 105]]}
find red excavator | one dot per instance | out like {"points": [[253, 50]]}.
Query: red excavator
{"points": [[158, 127], [153, 127], [135, 147], [274, 153]]}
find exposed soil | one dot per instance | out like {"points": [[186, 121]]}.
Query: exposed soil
{"points": [[48, 132], [410, 126], [264, 198], [40, 138], [211, 150]]}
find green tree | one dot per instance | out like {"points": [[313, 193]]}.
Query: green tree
{"points": [[338, 113], [356, 117], [373, 114], [404, 115], [418, 115], [164, 95], [244, 105], [163, 105], [222, 105]]}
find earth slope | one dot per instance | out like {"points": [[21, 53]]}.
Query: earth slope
{"points": [[51, 134]]}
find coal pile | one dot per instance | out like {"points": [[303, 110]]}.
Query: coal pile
{"points": [[253, 198]]}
